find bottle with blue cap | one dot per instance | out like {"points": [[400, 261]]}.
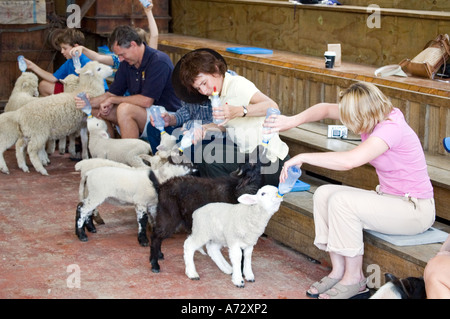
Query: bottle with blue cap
{"points": [[87, 108], [155, 111], [76, 61], [215, 103], [267, 136], [293, 175], [146, 3], [22, 63]]}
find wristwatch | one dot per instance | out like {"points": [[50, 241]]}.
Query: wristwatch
{"points": [[245, 110]]}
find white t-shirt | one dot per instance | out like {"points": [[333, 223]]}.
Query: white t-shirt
{"points": [[246, 132]]}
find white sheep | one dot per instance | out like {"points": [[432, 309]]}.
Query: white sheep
{"points": [[71, 84], [25, 90], [126, 150], [120, 185], [56, 117], [237, 226]]}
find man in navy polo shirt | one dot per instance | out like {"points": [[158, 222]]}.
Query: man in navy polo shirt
{"points": [[146, 74]]}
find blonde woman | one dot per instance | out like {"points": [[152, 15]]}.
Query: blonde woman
{"points": [[402, 203]]}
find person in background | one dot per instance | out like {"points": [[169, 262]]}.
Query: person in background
{"points": [[50, 84], [150, 38], [402, 204], [437, 274]]}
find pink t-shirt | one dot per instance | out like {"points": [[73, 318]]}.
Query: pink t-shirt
{"points": [[402, 169]]}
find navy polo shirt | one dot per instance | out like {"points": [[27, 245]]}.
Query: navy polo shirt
{"points": [[151, 79]]}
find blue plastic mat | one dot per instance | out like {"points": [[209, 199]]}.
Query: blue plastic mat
{"points": [[249, 50], [300, 186]]}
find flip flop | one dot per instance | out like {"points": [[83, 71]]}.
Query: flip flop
{"points": [[355, 291], [322, 285]]}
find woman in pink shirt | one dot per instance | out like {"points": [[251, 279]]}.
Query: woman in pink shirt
{"points": [[402, 204]]}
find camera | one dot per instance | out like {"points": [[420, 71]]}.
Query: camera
{"points": [[337, 131]]}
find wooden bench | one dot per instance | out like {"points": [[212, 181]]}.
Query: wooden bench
{"points": [[293, 225], [402, 31]]}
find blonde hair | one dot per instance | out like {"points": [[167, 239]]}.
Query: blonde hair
{"points": [[363, 106]]}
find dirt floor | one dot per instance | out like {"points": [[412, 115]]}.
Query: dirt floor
{"points": [[41, 257]]}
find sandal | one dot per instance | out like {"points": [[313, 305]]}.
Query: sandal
{"points": [[356, 291], [322, 285]]}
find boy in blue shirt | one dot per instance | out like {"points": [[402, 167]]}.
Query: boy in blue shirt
{"points": [[50, 83]]}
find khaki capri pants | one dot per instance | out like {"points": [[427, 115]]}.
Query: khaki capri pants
{"points": [[342, 212]]}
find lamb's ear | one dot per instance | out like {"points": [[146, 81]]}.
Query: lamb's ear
{"points": [[247, 199], [86, 72], [104, 135]]}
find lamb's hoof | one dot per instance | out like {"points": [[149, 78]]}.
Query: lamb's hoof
{"points": [[240, 284], [83, 238], [98, 219], [195, 278], [143, 243], [90, 225], [81, 235], [143, 240], [25, 169], [155, 266]]}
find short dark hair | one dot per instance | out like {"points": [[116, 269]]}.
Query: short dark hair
{"points": [[124, 35], [71, 36], [196, 62]]}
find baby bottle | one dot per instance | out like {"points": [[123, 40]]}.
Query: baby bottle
{"points": [[76, 61], [186, 141], [87, 108], [22, 63], [267, 137], [293, 174], [146, 3], [215, 103], [157, 118]]}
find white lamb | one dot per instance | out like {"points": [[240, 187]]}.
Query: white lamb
{"points": [[237, 226], [125, 150], [9, 133], [120, 185], [25, 90], [56, 117], [71, 84]]}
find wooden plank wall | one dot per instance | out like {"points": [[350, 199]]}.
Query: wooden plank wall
{"points": [[308, 29]]}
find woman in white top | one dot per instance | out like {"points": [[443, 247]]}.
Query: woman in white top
{"points": [[242, 108]]}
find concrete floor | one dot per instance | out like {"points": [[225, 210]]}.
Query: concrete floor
{"points": [[41, 257]]}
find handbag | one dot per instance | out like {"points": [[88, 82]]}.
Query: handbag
{"points": [[428, 62]]}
